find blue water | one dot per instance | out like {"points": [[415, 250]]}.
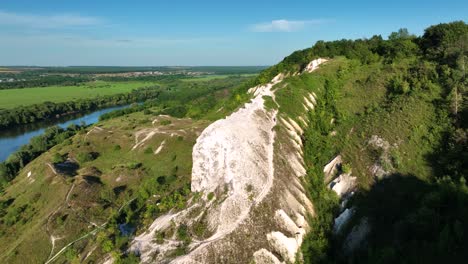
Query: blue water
{"points": [[12, 139]]}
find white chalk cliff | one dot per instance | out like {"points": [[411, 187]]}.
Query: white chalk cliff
{"points": [[259, 205]]}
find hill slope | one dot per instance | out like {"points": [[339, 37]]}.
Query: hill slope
{"points": [[359, 157]]}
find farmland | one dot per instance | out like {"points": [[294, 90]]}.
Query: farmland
{"points": [[12, 98]]}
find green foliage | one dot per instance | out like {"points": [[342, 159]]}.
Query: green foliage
{"points": [[183, 234], [37, 145], [133, 165], [424, 222], [399, 86], [269, 103], [165, 122], [159, 237], [148, 150], [107, 245], [57, 158], [420, 220], [210, 196], [84, 157], [129, 258], [199, 229], [441, 42], [317, 152], [70, 254], [346, 168], [45, 110]]}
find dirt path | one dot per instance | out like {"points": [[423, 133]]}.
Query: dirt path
{"points": [[51, 236]]}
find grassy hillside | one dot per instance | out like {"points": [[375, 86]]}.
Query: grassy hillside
{"points": [[106, 181], [393, 109], [113, 178]]}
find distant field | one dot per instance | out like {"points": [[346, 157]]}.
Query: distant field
{"points": [[12, 98], [217, 76]]}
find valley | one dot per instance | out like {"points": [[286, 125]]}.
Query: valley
{"points": [[349, 151]]}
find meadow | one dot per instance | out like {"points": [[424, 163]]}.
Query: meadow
{"points": [[12, 98]]}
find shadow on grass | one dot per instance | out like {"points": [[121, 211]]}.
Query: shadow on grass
{"points": [[412, 221]]}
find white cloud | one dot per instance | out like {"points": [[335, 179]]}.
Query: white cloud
{"points": [[283, 25], [42, 21]]}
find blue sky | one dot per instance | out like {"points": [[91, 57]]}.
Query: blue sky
{"points": [[178, 32]]}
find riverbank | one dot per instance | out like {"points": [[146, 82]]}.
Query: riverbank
{"points": [[13, 138]]}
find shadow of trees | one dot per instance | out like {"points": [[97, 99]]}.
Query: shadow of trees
{"points": [[412, 221]]}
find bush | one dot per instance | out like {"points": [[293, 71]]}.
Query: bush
{"points": [[183, 234], [148, 150], [57, 158], [134, 165], [84, 157], [346, 168], [161, 180], [165, 122], [399, 86], [210, 196]]}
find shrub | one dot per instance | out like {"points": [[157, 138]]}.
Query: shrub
{"points": [[210, 196], [57, 158], [165, 122], [183, 234], [346, 168], [133, 165], [399, 86], [86, 156], [159, 237], [161, 180], [148, 150]]}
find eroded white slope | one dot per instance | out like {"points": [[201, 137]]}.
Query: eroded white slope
{"points": [[234, 159]]}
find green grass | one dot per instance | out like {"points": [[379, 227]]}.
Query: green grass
{"points": [[356, 96], [12, 98], [135, 171]]}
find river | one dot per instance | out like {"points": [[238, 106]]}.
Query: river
{"points": [[12, 139]]}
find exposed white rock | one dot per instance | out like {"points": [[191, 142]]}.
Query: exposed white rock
{"points": [[296, 126], [300, 221], [139, 142], [343, 184], [303, 121], [285, 246], [297, 166], [379, 142], [160, 147], [95, 129], [287, 223], [332, 167], [309, 104], [313, 65], [229, 155], [264, 256], [312, 98]]}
